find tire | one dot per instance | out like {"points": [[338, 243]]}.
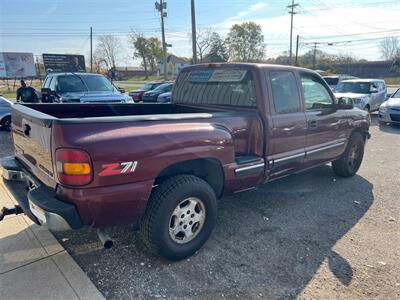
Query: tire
{"points": [[6, 123], [350, 161], [162, 228]]}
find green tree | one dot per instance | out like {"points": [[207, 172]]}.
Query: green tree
{"points": [[149, 50], [155, 53], [141, 49], [246, 42], [218, 51]]}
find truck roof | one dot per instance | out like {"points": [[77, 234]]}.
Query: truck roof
{"points": [[254, 65], [363, 80], [72, 73]]}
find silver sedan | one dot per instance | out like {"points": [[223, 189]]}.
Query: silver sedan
{"points": [[5, 113], [389, 111]]}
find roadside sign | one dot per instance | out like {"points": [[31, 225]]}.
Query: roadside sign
{"points": [[16, 64], [64, 63]]}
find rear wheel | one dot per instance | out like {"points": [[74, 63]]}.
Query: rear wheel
{"points": [[180, 217], [350, 161], [6, 123]]}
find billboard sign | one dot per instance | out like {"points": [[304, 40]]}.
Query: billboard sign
{"points": [[59, 63], [16, 64]]}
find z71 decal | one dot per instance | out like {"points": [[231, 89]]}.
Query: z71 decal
{"points": [[118, 168]]}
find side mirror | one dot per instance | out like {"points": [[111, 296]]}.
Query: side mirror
{"points": [[345, 103], [373, 90], [121, 90], [47, 95], [389, 95]]}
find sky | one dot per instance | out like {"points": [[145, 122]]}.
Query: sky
{"points": [[355, 27]]}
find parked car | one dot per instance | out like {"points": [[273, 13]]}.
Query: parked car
{"points": [[80, 88], [229, 128], [136, 95], [164, 98], [5, 113], [389, 111], [367, 94], [334, 80], [151, 96]]}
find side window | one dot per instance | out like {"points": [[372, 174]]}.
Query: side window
{"points": [[46, 83], [316, 96], [285, 94], [53, 84]]}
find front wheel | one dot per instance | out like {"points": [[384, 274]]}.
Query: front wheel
{"points": [[6, 123], [180, 216], [348, 164]]}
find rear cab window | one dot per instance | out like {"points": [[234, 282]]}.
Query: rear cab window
{"points": [[216, 86], [285, 92]]}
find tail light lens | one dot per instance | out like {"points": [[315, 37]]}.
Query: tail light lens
{"points": [[74, 167]]}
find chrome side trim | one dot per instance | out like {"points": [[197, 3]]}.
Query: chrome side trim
{"points": [[325, 148], [244, 171], [287, 158]]}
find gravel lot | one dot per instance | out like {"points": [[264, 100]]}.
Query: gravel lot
{"points": [[309, 236]]}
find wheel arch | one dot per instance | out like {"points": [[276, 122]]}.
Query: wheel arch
{"points": [[209, 169]]}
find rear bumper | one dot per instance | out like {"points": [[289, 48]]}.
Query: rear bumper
{"points": [[40, 205]]}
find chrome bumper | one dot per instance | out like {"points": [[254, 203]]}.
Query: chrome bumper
{"points": [[40, 205]]}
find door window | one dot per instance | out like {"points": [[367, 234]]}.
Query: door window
{"points": [[52, 84], [47, 82], [284, 92], [316, 96]]}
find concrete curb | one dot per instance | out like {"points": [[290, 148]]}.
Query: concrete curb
{"points": [[57, 258]]}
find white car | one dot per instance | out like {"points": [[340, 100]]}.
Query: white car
{"points": [[367, 94], [389, 112]]}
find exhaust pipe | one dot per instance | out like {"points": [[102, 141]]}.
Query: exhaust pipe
{"points": [[105, 239]]}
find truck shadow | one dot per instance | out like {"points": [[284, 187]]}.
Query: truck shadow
{"points": [[268, 241]]}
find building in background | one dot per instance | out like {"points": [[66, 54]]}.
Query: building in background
{"points": [[121, 73], [175, 65]]}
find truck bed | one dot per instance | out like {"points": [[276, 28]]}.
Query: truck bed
{"points": [[70, 111]]}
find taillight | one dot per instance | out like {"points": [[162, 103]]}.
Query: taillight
{"points": [[74, 167]]}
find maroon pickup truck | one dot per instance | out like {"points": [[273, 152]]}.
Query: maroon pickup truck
{"points": [[229, 128]]}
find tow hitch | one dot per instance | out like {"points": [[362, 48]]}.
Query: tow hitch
{"points": [[16, 210]]}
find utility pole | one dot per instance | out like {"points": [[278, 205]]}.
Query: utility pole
{"points": [[91, 50], [161, 7], [292, 13], [296, 63], [194, 47], [315, 55]]}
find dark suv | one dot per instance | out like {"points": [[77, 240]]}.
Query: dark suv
{"points": [[80, 88]]}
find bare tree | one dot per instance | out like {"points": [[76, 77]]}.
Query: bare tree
{"points": [[390, 48], [108, 48], [203, 42], [100, 65]]}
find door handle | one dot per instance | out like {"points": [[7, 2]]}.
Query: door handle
{"points": [[312, 124]]}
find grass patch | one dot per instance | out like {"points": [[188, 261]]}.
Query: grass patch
{"points": [[142, 78], [392, 80], [129, 88], [8, 95]]}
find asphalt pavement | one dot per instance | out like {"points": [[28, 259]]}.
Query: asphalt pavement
{"points": [[309, 236]]}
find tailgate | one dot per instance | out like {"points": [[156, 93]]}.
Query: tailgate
{"points": [[32, 141]]}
